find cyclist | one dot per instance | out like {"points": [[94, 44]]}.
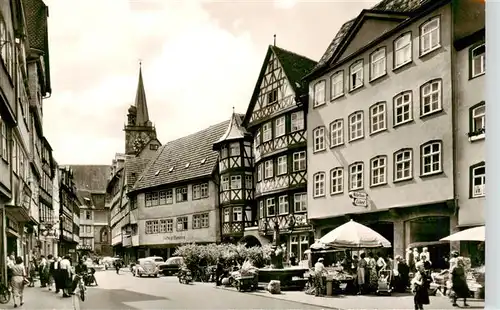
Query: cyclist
{"points": [[118, 265], [80, 272]]}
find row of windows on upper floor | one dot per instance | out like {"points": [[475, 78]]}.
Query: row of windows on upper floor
{"points": [[431, 163], [199, 221], [267, 206], [402, 50], [430, 103], [165, 197], [279, 165], [235, 182], [268, 131], [234, 149]]}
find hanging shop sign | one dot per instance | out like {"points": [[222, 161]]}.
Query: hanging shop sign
{"points": [[359, 199]]}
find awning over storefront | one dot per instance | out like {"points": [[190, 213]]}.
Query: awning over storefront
{"points": [[471, 234]]}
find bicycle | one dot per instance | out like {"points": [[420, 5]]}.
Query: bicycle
{"points": [[81, 288], [4, 293]]}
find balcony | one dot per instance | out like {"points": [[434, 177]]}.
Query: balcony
{"points": [[279, 144], [287, 223], [117, 239], [298, 178]]}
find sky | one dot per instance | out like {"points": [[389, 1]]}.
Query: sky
{"points": [[199, 60]]}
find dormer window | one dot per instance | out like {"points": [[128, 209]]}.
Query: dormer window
{"points": [[272, 97], [187, 165], [171, 169], [204, 160], [157, 172], [153, 147]]}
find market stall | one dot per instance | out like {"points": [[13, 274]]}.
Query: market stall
{"points": [[475, 276], [346, 240]]}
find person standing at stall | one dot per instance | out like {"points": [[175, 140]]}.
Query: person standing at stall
{"points": [[372, 272], [319, 272], [361, 273], [459, 283]]}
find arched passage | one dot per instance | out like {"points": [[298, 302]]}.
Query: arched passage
{"points": [[104, 235], [250, 241]]}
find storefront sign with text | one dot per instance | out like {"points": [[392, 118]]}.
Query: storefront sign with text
{"points": [[174, 238], [359, 199]]}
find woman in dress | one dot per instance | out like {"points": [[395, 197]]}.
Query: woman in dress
{"points": [[17, 281], [459, 282], [361, 273], [420, 286]]}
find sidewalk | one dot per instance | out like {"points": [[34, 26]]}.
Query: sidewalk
{"points": [[42, 299], [396, 301]]}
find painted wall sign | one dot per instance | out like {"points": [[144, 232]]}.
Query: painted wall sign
{"points": [[174, 238]]}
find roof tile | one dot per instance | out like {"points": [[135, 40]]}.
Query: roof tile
{"points": [[170, 164], [91, 177]]}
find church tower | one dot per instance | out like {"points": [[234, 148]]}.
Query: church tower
{"points": [[139, 131]]}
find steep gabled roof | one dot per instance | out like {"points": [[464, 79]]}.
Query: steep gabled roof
{"points": [[91, 177], [184, 159], [389, 6], [134, 167], [295, 67], [142, 117], [235, 130]]}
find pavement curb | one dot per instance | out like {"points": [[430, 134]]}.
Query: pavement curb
{"points": [[270, 296]]}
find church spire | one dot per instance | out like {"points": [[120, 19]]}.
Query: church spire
{"points": [[142, 118]]}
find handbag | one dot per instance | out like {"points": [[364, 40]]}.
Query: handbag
{"points": [[26, 281]]}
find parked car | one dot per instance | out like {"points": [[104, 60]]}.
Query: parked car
{"points": [[172, 265], [145, 267], [160, 263]]}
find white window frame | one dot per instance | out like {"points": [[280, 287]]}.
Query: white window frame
{"points": [[319, 93], [319, 139], [481, 58], [478, 117], [403, 107], [378, 61], [430, 91], [270, 203], [234, 149], [403, 162], [267, 132], [283, 205], [169, 225], [279, 127], [248, 182], [402, 50], [378, 117], [180, 221], [196, 192], [428, 32], [337, 85], [378, 171], [299, 161], [268, 169], [356, 176], [478, 190], [356, 126], [337, 132], [237, 214], [319, 185], [356, 74], [428, 150], [236, 182], [337, 181], [204, 190], [227, 215], [225, 183], [297, 121], [281, 165], [259, 172], [300, 202]]}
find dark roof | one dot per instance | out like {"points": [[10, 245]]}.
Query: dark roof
{"points": [[91, 177], [36, 14], [195, 150], [134, 166], [141, 105], [392, 6], [295, 67]]}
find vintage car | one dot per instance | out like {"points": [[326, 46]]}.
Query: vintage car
{"points": [[145, 267], [172, 265], [160, 263]]}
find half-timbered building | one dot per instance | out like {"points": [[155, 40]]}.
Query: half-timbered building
{"points": [[276, 120], [236, 189]]}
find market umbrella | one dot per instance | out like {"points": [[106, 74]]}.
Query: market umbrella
{"points": [[471, 234], [354, 235]]}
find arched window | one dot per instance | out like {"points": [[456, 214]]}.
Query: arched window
{"points": [[104, 235]]}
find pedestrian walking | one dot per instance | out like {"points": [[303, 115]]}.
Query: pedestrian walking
{"points": [[420, 285], [18, 281], [65, 275], [50, 271], [57, 274], [459, 283], [32, 273]]}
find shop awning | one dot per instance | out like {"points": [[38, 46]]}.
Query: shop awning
{"points": [[471, 234], [353, 235]]}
